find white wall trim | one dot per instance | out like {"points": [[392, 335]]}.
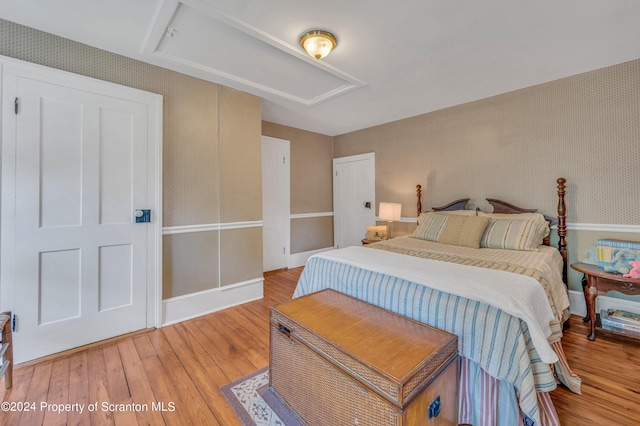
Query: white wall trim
{"points": [[357, 157], [170, 230], [579, 306], [300, 259], [240, 225], [309, 215], [603, 227], [402, 219], [188, 306]]}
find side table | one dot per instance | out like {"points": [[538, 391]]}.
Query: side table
{"points": [[599, 282]]}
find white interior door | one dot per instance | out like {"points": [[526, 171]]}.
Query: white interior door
{"points": [[275, 203], [81, 263], [354, 189]]}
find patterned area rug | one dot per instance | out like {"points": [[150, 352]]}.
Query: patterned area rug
{"points": [[255, 404]]}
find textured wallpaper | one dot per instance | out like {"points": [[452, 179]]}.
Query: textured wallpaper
{"points": [[514, 146], [240, 156]]}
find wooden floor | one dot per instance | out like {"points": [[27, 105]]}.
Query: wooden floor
{"points": [[183, 367]]}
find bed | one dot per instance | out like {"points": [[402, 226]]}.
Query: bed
{"points": [[490, 278]]}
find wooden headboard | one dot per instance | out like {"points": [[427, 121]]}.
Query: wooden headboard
{"points": [[500, 206]]}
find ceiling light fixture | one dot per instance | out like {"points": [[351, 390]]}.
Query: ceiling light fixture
{"points": [[318, 43]]}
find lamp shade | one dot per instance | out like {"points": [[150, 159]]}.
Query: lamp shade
{"points": [[389, 211]]}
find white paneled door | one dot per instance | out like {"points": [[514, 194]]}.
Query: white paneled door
{"points": [[276, 211], [81, 267], [354, 193]]}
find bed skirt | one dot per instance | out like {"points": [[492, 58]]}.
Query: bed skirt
{"points": [[484, 400]]}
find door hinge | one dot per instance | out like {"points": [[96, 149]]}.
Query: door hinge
{"points": [[16, 104], [14, 318], [284, 250], [283, 160]]}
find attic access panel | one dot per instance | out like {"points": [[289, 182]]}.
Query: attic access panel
{"points": [[208, 40]]}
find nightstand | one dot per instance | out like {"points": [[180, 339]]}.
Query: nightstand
{"points": [[595, 282]]}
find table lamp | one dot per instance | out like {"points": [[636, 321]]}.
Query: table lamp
{"points": [[389, 212]]}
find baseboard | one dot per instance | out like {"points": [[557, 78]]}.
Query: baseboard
{"points": [[300, 259], [579, 306], [194, 305]]}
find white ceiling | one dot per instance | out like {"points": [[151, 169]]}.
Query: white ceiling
{"points": [[393, 60]]}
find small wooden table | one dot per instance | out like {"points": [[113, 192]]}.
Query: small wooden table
{"points": [[599, 282]]}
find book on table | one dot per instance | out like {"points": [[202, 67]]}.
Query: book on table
{"points": [[625, 316]]}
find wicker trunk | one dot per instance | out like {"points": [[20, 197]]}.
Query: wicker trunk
{"points": [[337, 360]]}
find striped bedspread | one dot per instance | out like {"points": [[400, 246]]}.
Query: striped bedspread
{"points": [[499, 343]]}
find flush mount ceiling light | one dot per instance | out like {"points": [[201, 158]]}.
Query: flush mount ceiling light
{"points": [[318, 43]]}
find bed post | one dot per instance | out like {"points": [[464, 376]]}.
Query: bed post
{"points": [[419, 195], [562, 225]]}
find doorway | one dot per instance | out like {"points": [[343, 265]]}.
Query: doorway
{"points": [[354, 193], [276, 210]]}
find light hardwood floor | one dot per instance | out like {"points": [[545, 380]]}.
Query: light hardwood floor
{"points": [[187, 363]]}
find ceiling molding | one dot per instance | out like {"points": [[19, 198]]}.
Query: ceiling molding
{"points": [[161, 28]]}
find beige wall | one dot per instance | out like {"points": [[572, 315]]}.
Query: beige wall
{"points": [[241, 158], [308, 234], [211, 158], [311, 185], [191, 263], [585, 128]]}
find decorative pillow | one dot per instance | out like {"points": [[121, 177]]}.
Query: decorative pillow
{"points": [[466, 231], [430, 226], [537, 217], [460, 212], [518, 216], [512, 234], [453, 212], [421, 217], [460, 230]]}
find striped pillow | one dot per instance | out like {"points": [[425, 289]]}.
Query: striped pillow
{"points": [[513, 234], [464, 231], [430, 227], [452, 229], [450, 212]]}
